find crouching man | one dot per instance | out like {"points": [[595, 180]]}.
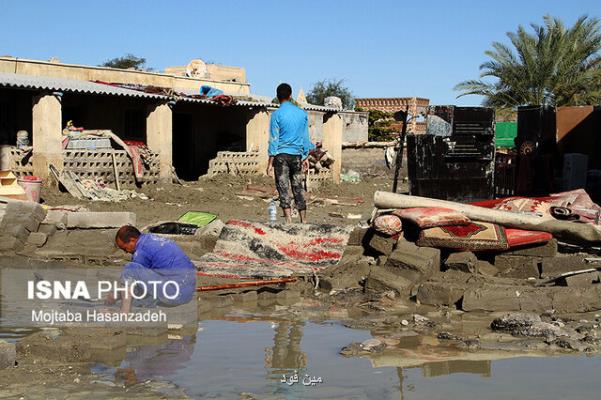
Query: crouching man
{"points": [[158, 263]]}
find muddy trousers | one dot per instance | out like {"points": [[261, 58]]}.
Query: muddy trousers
{"points": [[289, 173]]}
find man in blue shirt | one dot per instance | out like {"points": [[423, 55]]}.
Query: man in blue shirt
{"points": [[157, 262], [289, 146]]}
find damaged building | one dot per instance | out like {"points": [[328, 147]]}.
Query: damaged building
{"points": [[160, 118]]}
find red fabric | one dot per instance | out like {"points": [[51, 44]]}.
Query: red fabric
{"points": [[476, 236], [520, 237]]}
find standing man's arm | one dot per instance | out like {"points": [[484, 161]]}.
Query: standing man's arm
{"points": [[307, 145], [274, 138]]}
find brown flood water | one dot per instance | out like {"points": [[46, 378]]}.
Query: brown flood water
{"points": [[225, 359]]}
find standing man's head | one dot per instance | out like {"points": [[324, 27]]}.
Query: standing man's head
{"points": [[127, 237], [284, 92]]}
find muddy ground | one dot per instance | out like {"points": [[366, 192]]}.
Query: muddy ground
{"points": [[224, 195], [402, 329]]}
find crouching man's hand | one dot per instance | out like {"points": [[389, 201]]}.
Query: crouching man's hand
{"points": [[110, 299]]}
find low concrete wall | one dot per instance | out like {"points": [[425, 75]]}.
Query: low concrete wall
{"points": [[355, 126], [365, 161]]}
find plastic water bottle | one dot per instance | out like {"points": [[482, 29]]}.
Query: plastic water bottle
{"points": [[273, 213]]}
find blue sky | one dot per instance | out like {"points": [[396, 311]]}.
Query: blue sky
{"points": [[380, 48]]}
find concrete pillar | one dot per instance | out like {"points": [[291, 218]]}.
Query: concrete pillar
{"points": [[46, 134], [332, 142], [414, 115], [257, 136], [159, 137]]}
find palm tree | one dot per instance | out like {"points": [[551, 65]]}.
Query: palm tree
{"points": [[553, 66]]}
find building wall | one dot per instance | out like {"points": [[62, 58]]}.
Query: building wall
{"points": [[355, 126], [90, 73], [315, 125]]}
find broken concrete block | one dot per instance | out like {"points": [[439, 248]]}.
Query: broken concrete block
{"points": [[104, 219], [48, 229], [555, 266], [486, 268], [37, 239], [518, 267], [35, 210], [351, 255], [57, 218], [464, 261], [439, 293], [381, 279], [17, 230], [381, 244], [344, 276], [357, 236], [8, 354], [213, 229], [10, 243], [415, 263], [548, 249], [508, 298], [581, 280]]}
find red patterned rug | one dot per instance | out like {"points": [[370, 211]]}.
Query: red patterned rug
{"points": [[251, 249], [475, 236]]}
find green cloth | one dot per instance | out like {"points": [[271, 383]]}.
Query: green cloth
{"points": [[505, 133], [198, 218]]}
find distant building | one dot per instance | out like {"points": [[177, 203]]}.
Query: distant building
{"points": [[416, 106], [191, 135]]}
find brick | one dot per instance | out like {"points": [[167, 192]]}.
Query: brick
{"points": [[507, 298], [581, 280], [486, 268], [16, 230], [48, 229], [344, 276], [10, 243], [351, 255], [381, 244], [8, 354], [519, 267], [105, 219], [548, 249], [357, 236], [555, 266], [381, 279], [57, 218], [37, 239], [439, 293], [415, 263], [34, 210], [464, 261]]}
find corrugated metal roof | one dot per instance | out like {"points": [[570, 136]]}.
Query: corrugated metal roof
{"points": [[36, 82], [69, 85]]}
